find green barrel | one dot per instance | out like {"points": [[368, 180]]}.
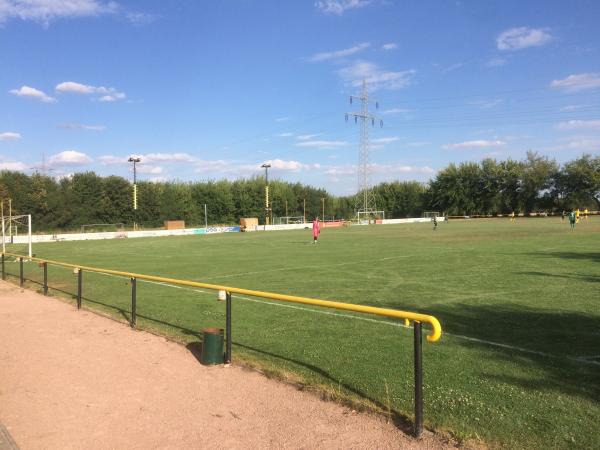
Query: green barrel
{"points": [[212, 346]]}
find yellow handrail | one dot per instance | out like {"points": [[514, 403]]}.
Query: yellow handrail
{"points": [[386, 312]]}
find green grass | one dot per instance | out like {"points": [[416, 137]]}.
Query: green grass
{"points": [[532, 284]]}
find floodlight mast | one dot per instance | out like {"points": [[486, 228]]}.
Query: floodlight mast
{"points": [[134, 160], [266, 166], [365, 200]]}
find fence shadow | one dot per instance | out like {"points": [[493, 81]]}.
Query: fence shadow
{"points": [[568, 341]]}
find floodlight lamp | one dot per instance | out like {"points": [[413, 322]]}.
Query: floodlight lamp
{"points": [[134, 159], [266, 166]]}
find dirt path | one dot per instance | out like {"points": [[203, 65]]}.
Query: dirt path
{"points": [[72, 379]]}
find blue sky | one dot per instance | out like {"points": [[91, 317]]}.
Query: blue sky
{"points": [[210, 90]]}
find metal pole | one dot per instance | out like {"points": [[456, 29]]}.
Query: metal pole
{"points": [[3, 272], [3, 228], [304, 211], [133, 302], [205, 217], [79, 281], [418, 379], [45, 277], [21, 280], [228, 327], [29, 231], [323, 201], [10, 219]]}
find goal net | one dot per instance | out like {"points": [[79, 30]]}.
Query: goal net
{"points": [[102, 227], [16, 234], [369, 216], [287, 220], [431, 214]]}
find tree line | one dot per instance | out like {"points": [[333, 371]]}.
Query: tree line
{"points": [[535, 184]]}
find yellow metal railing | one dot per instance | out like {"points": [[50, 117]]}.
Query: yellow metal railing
{"points": [[386, 312], [416, 318]]}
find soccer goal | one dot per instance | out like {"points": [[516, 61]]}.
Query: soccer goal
{"points": [[431, 214], [368, 216], [102, 227], [287, 220], [16, 234]]}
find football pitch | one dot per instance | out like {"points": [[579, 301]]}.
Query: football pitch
{"points": [[518, 364]]}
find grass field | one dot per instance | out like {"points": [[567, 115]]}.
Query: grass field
{"points": [[518, 364]]}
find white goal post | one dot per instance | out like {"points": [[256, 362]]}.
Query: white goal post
{"points": [[431, 214], [368, 215], [10, 231]]}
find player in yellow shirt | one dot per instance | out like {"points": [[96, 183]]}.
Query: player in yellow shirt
{"points": [[586, 214], [577, 213], [512, 216]]}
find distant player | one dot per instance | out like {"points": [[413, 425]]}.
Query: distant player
{"points": [[435, 223], [316, 230], [586, 214], [512, 216], [562, 217], [577, 214], [572, 219]]}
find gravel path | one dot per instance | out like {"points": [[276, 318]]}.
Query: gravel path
{"points": [[72, 380]]}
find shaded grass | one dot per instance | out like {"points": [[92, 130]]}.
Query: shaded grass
{"points": [[532, 284]]}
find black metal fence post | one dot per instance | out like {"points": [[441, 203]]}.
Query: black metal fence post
{"points": [[3, 270], [133, 301], [45, 277], [228, 327], [21, 277], [418, 379], [79, 281]]}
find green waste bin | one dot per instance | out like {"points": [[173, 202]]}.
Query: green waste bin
{"points": [[212, 346]]}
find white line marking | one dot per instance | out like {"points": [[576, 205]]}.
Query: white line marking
{"points": [[305, 267], [384, 322]]}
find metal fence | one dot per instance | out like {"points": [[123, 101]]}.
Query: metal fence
{"points": [[416, 318]]}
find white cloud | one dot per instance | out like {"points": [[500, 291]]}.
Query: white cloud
{"points": [[282, 119], [395, 111], [418, 144], [306, 137], [340, 6], [290, 166], [452, 67], [486, 104], [389, 46], [383, 141], [286, 134], [579, 82], [584, 144], [522, 37], [69, 158], [29, 92], [45, 11], [153, 170], [321, 144], [80, 126], [150, 158], [106, 94], [573, 107], [12, 165], [496, 62], [113, 97], [375, 77], [473, 144], [380, 169], [168, 158], [139, 18], [324, 56], [9, 136], [579, 125], [112, 160]]}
